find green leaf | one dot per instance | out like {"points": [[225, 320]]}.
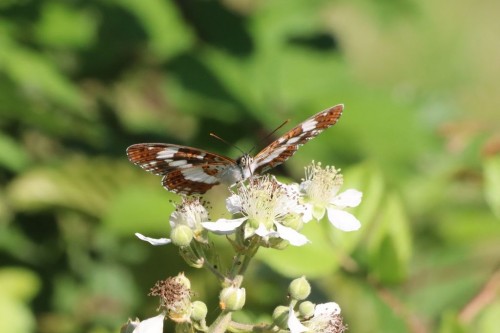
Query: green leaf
{"points": [[18, 283], [492, 183], [13, 156], [313, 260], [82, 184], [450, 324], [36, 73], [168, 34], [390, 246], [62, 25], [143, 208], [489, 318]]}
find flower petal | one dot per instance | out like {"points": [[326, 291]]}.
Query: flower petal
{"points": [[234, 204], [153, 241], [294, 325], [264, 233], [224, 226], [348, 198], [151, 325], [326, 309], [343, 220], [307, 213], [294, 237]]}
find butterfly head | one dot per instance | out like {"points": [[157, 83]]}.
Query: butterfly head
{"points": [[246, 164]]}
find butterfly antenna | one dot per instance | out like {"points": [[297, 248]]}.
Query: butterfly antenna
{"points": [[226, 142], [274, 131]]}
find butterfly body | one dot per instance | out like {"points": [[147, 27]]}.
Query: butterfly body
{"points": [[189, 170]]}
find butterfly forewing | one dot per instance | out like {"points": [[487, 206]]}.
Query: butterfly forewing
{"points": [[285, 146], [184, 169]]}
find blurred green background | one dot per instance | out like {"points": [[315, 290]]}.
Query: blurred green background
{"points": [[420, 136]]}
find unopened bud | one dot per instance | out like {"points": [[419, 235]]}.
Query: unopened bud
{"points": [[232, 298], [306, 309], [181, 235], [199, 311], [183, 280], [299, 289], [280, 316]]}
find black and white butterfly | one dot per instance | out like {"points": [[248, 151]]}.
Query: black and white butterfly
{"points": [[189, 170]]}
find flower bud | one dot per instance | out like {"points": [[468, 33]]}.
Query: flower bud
{"points": [[306, 309], [299, 289], [280, 316], [232, 298], [199, 311], [183, 280], [278, 243], [181, 235]]}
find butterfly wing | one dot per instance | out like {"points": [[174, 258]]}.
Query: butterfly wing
{"points": [[184, 169], [285, 146]]}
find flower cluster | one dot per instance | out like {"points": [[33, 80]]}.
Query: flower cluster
{"points": [[267, 213], [269, 209]]}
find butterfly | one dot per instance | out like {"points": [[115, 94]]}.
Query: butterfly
{"points": [[188, 170]]}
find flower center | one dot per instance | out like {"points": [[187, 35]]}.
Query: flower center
{"points": [[322, 183]]}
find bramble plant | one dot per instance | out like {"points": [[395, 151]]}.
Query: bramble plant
{"points": [[267, 213]]}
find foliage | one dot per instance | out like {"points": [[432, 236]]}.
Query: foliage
{"points": [[81, 80]]}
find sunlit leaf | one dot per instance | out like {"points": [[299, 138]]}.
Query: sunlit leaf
{"points": [[62, 25], [12, 155], [168, 34], [390, 246], [81, 184], [492, 183], [18, 283], [37, 74]]}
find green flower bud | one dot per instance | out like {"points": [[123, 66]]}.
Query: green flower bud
{"points": [[181, 235], [199, 311], [280, 316], [306, 309], [232, 298], [183, 280], [299, 289], [293, 221], [278, 243]]}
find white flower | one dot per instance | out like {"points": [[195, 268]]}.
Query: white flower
{"points": [[320, 194], [189, 213], [266, 205], [151, 325], [326, 319]]}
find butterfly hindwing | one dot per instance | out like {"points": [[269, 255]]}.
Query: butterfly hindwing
{"points": [[196, 179], [285, 146]]}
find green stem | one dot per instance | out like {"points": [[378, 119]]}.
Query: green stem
{"points": [[220, 324]]}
